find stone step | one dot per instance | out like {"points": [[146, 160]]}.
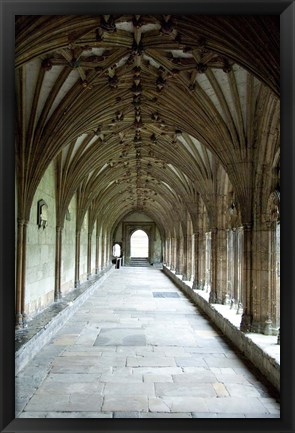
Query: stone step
{"points": [[139, 261]]}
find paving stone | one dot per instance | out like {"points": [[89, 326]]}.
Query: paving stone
{"points": [[262, 415], [126, 414], [165, 415], [66, 415], [120, 337], [122, 376], [237, 390], [55, 388], [235, 405], [182, 369], [186, 404], [217, 415], [125, 404], [176, 389], [212, 361], [129, 389], [220, 390], [62, 403], [157, 378], [65, 339], [156, 370], [157, 405], [150, 361], [74, 378], [192, 378], [193, 361]]}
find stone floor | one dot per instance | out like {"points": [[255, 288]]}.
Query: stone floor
{"points": [[138, 348]]}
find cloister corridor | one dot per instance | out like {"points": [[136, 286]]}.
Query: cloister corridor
{"points": [[137, 347]]}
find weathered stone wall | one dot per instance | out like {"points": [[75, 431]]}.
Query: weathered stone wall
{"points": [[68, 249], [40, 265]]}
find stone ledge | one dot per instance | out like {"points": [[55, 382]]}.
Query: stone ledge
{"points": [[266, 364], [31, 340]]}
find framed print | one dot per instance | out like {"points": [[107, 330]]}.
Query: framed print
{"points": [[146, 216]]}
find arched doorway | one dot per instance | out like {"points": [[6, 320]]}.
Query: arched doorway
{"points": [[139, 243]]}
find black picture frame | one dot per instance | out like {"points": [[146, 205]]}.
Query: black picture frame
{"points": [[10, 8]]}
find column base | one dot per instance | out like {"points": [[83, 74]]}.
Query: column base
{"points": [[57, 297], [246, 323], [77, 284], [18, 321], [214, 299]]}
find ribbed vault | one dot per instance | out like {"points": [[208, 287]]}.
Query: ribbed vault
{"points": [[140, 112]]}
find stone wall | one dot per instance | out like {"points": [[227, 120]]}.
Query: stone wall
{"points": [[40, 265]]}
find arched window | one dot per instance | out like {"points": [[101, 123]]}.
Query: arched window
{"points": [[116, 250], [139, 244]]}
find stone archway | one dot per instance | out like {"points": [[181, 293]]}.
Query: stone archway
{"points": [[139, 244], [154, 240]]}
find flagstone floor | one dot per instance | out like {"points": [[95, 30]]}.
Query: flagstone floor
{"points": [[138, 348]]}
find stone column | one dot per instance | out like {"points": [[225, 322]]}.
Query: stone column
{"points": [[263, 281], [97, 253], [58, 253], [221, 275], [246, 270], [230, 265], [173, 248], [102, 252], [213, 298], [77, 259], [20, 273], [178, 255], [187, 267], [196, 283], [89, 256]]}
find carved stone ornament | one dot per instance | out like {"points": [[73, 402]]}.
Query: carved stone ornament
{"points": [[232, 215], [273, 208]]}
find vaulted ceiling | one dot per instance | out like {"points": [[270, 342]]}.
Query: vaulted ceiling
{"points": [[143, 112]]}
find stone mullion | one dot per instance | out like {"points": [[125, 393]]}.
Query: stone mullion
{"points": [[58, 253], [77, 259], [89, 255]]}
